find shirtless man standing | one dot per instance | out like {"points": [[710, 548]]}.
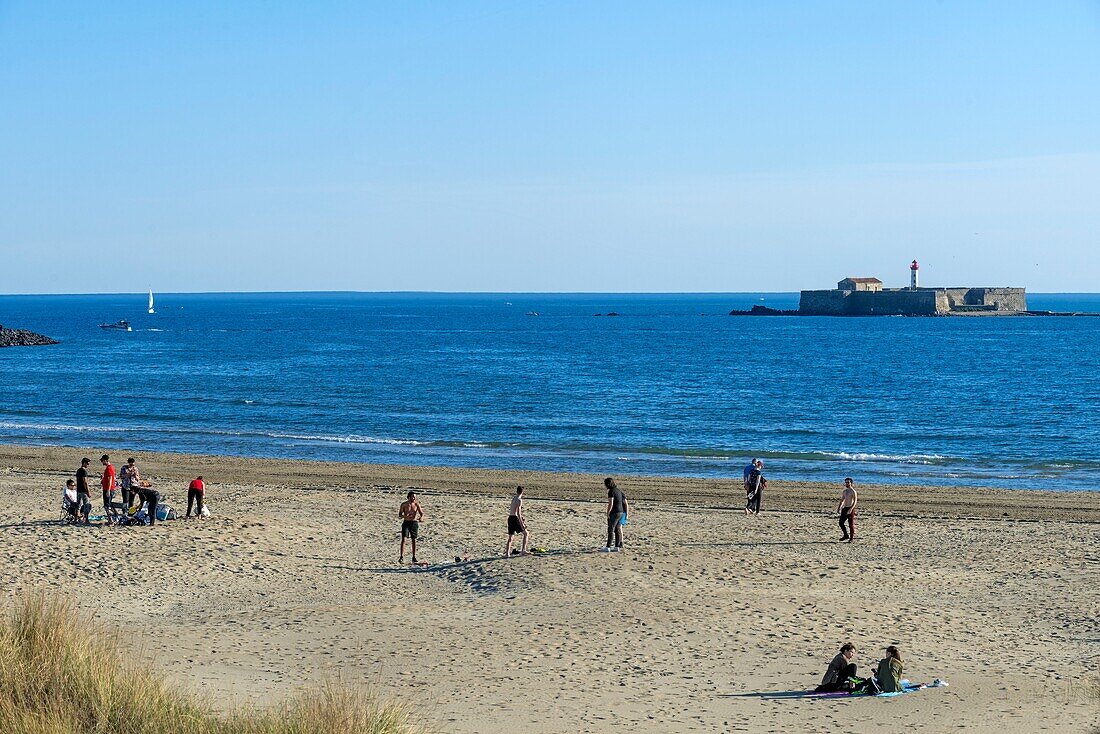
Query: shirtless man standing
{"points": [[847, 510], [516, 524], [411, 513]]}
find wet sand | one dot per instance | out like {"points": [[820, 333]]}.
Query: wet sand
{"points": [[695, 627]]}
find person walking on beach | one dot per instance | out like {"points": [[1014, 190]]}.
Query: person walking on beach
{"points": [[840, 669], [83, 493], [196, 493], [847, 510], [130, 477], [617, 507], [411, 513], [107, 481], [517, 524], [754, 488]]}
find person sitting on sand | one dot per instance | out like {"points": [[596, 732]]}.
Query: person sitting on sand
{"points": [[840, 669], [847, 510], [617, 507], [889, 671], [517, 524], [411, 513], [196, 493]]}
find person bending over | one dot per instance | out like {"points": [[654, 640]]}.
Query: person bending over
{"points": [[410, 513], [516, 524], [196, 493], [151, 498], [840, 669]]}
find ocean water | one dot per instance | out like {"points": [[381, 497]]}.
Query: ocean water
{"points": [[672, 385]]}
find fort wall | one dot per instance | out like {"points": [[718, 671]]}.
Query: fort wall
{"points": [[912, 302]]}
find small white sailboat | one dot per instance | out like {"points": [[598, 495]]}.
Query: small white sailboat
{"points": [[151, 301]]}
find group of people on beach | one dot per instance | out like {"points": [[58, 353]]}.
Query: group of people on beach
{"points": [[841, 673], [137, 493], [755, 484], [411, 513]]}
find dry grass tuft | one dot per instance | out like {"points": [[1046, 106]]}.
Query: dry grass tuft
{"points": [[58, 677]]}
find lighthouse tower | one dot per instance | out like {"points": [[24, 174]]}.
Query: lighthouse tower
{"points": [[913, 279]]}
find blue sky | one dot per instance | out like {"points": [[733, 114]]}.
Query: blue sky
{"points": [[547, 146]]}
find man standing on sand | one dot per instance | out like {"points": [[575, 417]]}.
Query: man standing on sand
{"points": [[196, 492], [107, 481], [411, 513], [847, 510], [617, 508], [83, 493], [516, 524]]}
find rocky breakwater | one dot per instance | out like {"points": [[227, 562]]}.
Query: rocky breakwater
{"points": [[22, 338]]}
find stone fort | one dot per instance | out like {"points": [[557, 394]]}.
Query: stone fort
{"points": [[867, 297]]}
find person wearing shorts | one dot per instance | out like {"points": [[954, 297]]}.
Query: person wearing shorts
{"points": [[517, 524], [410, 513], [617, 508]]}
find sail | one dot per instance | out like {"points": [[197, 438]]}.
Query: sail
{"points": [[150, 300]]}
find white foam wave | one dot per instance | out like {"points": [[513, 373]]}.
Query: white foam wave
{"points": [[898, 458]]}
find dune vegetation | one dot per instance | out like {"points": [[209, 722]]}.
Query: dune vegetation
{"points": [[56, 678]]}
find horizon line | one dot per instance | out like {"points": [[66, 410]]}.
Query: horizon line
{"points": [[488, 292]]}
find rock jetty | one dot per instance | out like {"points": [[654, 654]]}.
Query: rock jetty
{"points": [[22, 338]]}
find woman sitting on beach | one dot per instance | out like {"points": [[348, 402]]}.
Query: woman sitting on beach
{"points": [[889, 671]]}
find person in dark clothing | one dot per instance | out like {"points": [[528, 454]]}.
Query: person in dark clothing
{"points": [[82, 492], [617, 508], [840, 669], [151, 497], [754, 488]]}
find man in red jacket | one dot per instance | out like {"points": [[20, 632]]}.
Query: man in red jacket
{"points": [[196, 491]]}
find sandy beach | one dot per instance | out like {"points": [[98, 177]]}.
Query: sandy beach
{"points": [[695, 627]]}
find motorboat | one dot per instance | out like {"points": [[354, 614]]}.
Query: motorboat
{"points": [[122, 325]]}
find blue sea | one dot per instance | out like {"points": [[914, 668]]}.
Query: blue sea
{"points": [[672, 385]]}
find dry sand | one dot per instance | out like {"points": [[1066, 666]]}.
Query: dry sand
{"points": [[296, 579]]}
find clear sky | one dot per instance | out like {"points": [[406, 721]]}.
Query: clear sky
{"points": [[547, 146]]}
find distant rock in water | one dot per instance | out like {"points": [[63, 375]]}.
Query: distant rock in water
{"points": [[763, 311], [22, 338]]}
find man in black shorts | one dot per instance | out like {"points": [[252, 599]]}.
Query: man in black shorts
{"points": [[516, 523], [411, 513]]}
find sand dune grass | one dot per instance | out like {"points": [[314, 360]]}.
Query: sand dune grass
{"points": [[59, 676]]}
